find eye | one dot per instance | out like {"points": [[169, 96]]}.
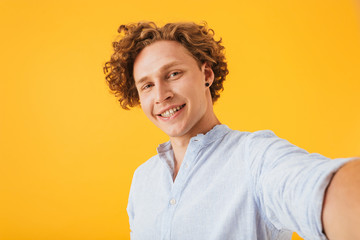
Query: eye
{"points": [[147, 86], [174, 74]]}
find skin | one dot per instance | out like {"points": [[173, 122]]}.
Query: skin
{"points": [[341, 209], [167, 76]]}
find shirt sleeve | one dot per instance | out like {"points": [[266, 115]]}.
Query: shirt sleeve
{"points": [[289, 183]]}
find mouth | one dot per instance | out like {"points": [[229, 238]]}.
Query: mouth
{"points": [[170, 112]]}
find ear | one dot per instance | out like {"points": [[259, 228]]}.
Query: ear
{"points": [[208, 73]]}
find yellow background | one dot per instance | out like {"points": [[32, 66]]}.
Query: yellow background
{"points": [[68, 151]]}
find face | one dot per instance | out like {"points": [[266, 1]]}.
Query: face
{"points": [[171, 87]]}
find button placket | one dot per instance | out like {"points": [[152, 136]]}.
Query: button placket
{"points": [[178, 187]]}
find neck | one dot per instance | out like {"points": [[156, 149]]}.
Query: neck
{"points": [[183, 141]]}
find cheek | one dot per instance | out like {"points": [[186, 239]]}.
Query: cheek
{"points": [[193, 86], [147, 108], [144, 105]]}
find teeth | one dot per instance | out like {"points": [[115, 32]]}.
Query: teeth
{"points": [[171, 112]]}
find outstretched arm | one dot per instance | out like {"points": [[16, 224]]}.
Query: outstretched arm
{"points": [[341, 209]]}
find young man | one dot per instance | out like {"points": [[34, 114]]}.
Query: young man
{"points": [[208, 181]]}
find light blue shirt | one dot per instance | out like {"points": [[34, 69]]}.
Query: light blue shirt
{"points": [[231, 185]]}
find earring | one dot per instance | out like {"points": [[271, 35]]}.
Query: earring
{"points": [[207, 84]]}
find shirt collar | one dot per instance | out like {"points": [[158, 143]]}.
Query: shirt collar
{"points": [[215, 133]]}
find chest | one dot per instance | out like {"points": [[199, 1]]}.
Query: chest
{"points": [[209, 199]]}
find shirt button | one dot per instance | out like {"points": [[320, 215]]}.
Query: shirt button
{"points": [[172, 201], [186, 165]]}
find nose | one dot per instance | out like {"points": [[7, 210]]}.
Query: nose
{"points": [[163, 93]]}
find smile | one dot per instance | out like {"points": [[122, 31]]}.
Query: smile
{"points": [[172, 111]]}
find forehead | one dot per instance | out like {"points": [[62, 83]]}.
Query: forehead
{"points": [[156, 56]]}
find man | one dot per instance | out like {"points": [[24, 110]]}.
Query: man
{"points": [[208, 181]]}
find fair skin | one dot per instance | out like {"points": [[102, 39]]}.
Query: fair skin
{"points": [[168, 77], [173, 95], [341, 209]]}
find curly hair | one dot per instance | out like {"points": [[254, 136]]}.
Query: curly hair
{"points": [[197, 39]]}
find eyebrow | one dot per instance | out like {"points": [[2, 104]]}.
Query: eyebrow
{"points": [[163, 68]]}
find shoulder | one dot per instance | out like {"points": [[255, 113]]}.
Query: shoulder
{"points": [[261, 135], [246, 135], [252, 140], [266, 142], [144, 174], [148, 166]]}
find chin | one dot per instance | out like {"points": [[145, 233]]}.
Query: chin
{"points": [[174, 132]]}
